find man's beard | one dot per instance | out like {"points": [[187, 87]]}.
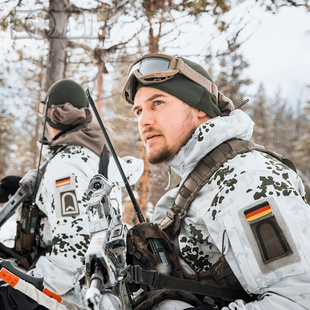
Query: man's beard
{"points": [[167, 154], [158, 158]]}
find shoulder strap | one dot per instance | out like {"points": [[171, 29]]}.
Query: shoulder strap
{"points": [[202, 173]]}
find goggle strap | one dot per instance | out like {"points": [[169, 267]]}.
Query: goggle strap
{"points": [[156, 77], [197, 78], [41, 108]]}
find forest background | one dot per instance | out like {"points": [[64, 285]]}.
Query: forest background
{"points": [[93, 43]]}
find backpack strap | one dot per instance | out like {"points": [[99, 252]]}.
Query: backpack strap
{"points": [[157, 280], [201, 174]]}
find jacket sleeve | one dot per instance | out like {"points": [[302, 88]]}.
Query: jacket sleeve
{"points": [[62, 197], [265, 223]]}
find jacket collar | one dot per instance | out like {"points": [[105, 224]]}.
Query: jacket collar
{"points": [[208, 136]]}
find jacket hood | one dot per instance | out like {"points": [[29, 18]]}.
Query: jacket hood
{"points": [[86, 135], [89, 136], [209, 135]]}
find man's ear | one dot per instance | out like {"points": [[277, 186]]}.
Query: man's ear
{"points": [[203, 116]]}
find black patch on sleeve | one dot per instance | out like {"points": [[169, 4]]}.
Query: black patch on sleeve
{"points": [[268, 234]]}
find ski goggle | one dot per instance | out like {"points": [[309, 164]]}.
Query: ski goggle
{"points": [[159, 68]]}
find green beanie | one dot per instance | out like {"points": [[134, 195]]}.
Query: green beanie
{"points": [[65, 91], [188, 91]]}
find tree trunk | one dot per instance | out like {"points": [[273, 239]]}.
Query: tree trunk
{"points": [[55, 69], [99, 102]]}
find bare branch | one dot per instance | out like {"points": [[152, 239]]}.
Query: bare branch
{"points": [[74, 44]]}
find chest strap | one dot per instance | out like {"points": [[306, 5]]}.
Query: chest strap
{"points": [[156, 280], [201, 174]]}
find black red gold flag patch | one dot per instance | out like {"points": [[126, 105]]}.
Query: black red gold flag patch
{"points": [[257, 212], [63, 181]]}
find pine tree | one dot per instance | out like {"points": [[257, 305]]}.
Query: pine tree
{"points": [[230, 80], [302, 148], [259, 110]]}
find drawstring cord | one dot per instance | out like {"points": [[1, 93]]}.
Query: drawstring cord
{"points": [[169, 178], [220, 268]]}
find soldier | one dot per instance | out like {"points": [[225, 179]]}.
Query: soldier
{"points": [[248, 226], [74, 150]]}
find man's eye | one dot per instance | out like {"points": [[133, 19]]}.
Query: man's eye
{"points": [[138, 112], [158, 102]]}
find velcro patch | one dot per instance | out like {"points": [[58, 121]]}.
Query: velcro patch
{"points": [[65, 197], [69, 205], [267, 232]]}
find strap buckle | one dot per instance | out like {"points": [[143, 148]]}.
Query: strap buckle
{"points": [[137, 274], [182, 214], [167, 220]]}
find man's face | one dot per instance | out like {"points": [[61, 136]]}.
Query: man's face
{"points": [[165, 123]]}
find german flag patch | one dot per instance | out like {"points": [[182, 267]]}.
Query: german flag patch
{"points": [[257, 212], [63, 181], [268, 234]]}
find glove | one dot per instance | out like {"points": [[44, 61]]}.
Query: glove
{"points": [[8, 186]]}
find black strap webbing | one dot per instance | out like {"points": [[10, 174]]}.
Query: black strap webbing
{"points": [[158, 280], [201, 175]]}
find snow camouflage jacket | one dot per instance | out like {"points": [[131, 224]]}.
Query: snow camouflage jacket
{"points": [[245, 197], [62, 197]]}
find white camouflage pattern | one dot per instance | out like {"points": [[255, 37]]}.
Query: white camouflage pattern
{"points": [[239, 184], [69, 235]]}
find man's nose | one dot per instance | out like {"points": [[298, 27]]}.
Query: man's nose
{"points": [[146, 118]]}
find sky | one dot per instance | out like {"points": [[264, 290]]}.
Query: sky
{"points": [[279, 53], [276, 46], [277, 50]]}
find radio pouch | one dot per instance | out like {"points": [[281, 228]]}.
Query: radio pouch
{"points": [[26, 243], [138, 247]]}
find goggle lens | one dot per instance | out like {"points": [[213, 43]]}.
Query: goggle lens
{"points": [[150, 65]]}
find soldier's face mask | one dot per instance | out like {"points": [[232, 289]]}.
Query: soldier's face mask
{"points": [[158, 68]]}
